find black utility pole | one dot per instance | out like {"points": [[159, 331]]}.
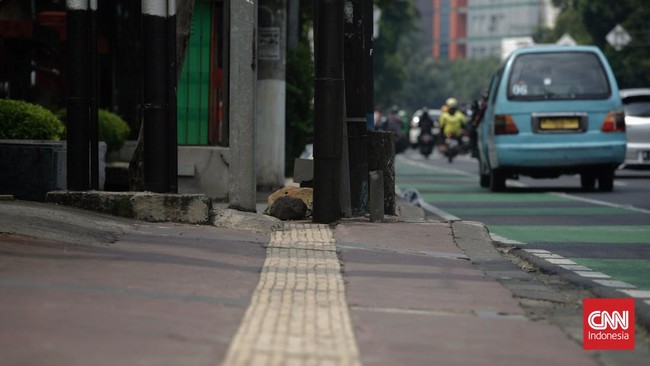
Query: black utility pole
{"points": [[355, 101], [329, 104], [159, 46], [78, 110], [94, 123], [368, 25]]}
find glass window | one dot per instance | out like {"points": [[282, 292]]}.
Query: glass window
{"points": [[558, 75], [637, 106]]}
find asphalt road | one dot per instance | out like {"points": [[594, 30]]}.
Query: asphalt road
{"points": [[607, 233]]}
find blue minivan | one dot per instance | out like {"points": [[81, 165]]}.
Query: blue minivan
{"points": [[552, 110]]}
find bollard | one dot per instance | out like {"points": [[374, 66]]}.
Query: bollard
{"points": [[376, 196], [381, 157]]}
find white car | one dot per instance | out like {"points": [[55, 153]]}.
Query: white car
{"points": [[636, 103]]}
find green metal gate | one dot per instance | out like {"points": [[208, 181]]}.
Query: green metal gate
{"points": [[193, 98]]}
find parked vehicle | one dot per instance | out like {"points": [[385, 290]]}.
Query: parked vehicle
{"points": [[636, 103], [552, 110]]}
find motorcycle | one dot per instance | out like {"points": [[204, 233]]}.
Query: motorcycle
{"points": [[452, 146], [426, 143]]}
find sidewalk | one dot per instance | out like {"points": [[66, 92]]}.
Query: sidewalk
{"points": [[82, 288]]}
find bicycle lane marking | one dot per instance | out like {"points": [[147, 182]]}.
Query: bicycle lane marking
{"points": [[581, 270]]}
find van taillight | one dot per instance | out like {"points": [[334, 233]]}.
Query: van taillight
{"points": [[614, 122], [504, 125]]}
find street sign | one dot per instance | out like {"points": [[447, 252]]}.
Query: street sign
{"points": [[566, 40], [618, 37]]}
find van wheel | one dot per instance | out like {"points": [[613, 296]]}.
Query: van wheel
{"points": [[606, 181], [497, 180], [587, 181], [484, 180]]}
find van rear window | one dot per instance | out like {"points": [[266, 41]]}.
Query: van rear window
{"points": [[558, 75]]}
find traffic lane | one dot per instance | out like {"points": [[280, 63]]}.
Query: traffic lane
{"points": [[596, 250], [165, 294], [632, 187]]}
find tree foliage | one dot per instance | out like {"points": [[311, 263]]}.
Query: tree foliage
{"points": [[393, 47], [430, 82], [589, 21], [299, 104], [407, 75]]}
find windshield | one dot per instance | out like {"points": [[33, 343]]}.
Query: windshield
{"points": [[558, 75]]}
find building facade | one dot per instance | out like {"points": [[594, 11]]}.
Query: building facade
{"points": [[460, 29]]}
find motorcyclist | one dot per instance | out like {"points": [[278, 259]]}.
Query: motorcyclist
{"points": [[426, 138], [425, 124], [452, 122]]}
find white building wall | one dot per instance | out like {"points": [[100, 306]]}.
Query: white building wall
{"points": [[490, 21]]}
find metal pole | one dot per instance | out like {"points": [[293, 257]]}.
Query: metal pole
{"points": [[329, 103], [155, 103], [368, 25], [355, 95], [94, 127], [78, 89], [172, 82]]}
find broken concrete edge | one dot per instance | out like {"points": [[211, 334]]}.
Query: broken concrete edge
{"points": [[475, 240], [225, 217], [146, 206]]}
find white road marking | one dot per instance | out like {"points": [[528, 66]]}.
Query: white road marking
{"points": [[598, 202], [533, 251], [591, 274], [549, 256], [614, 283], [560, 261], [639, 294], [575, 267]]}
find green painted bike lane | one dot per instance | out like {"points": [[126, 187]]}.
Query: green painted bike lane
{"points": [[610, 239]]}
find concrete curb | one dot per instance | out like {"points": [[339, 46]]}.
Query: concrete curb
{"points": [[642, 310], [146, 206], [474, 239]]}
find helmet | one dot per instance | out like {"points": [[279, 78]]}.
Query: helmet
{"points": [[451, 102]]}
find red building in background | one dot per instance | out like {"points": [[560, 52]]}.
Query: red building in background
{"points": [[449, 29]]}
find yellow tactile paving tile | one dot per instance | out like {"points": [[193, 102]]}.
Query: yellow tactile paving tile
{"points": [[298, 313]]}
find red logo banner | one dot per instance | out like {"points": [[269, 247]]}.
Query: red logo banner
{"points": [[608, 324]]}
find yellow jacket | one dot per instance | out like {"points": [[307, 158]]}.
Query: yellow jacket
{"points": [[452, 123]]}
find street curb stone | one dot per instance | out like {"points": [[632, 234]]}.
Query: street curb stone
{"points": [[642, 310], [147, 206]]}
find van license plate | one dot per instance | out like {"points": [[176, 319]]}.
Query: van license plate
{"points": [[559, 123]]}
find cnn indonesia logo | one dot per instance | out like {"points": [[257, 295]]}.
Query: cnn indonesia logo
{"points": [[608, 324]]}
